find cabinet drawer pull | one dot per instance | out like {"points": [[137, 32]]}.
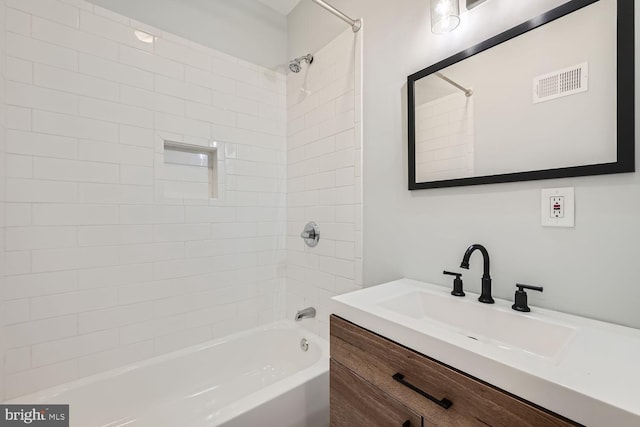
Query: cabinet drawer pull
{"points": [[445, 403], [406, 423]]}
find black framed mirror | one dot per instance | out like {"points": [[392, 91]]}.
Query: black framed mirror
{"points": [[550, 98]]}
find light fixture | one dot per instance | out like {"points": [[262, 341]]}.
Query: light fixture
{"points": [[144, 37], [445, 15]]}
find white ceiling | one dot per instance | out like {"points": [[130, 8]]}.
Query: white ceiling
{"points": [[246, 29], [281, 6], [253, 30]]}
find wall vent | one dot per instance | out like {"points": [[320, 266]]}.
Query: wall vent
{"points": [[565, 82], [473, 3]]}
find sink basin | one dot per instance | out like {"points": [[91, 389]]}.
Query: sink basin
{"points": [[505, 328], [581, 368]]}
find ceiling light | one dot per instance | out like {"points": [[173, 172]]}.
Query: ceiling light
{"points": [[144, 37], [445, 15]]}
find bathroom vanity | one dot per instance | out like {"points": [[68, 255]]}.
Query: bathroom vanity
{"points": [[377, 382], [408, 353]]}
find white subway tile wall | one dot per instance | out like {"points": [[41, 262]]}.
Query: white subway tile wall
{"points": [[444, 138], [324, 152], [102, 269]]}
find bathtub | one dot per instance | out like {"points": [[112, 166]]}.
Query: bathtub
{"points": [[260, 377]]}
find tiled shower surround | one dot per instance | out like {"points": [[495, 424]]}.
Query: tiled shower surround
{"points": [[104, 266], [324, 152]]}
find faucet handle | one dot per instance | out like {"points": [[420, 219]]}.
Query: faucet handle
{"points": [[533, 288], [520, 303], [457, 283]]}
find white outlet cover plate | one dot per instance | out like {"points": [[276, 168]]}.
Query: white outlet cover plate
{"points": [[569, 207]]}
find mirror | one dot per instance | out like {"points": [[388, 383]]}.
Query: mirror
{"points": [[550, 98]]}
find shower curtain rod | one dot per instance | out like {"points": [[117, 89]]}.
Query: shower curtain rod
{"points": [[355, 25], [467, 92]]}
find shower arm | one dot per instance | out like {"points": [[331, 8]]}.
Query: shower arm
{"points": [[467, 92], [355, 25]]}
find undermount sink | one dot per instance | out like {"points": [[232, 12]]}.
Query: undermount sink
{"points": [[505, 328]]}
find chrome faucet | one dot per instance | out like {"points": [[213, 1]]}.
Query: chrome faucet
{"points": [[485, 296], [305, 313]]}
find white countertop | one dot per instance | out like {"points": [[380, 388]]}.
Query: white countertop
{"points": [[594, 380]]}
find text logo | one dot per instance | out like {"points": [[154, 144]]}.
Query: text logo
{"points": [[34, 415]]}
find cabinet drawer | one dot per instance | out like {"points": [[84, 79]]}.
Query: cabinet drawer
{"points": [[356, 403], [474, 403]]}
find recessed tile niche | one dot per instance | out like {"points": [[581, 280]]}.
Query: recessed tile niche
{"points": [[189, 171]]}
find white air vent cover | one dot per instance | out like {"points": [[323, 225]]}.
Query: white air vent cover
{"points": [[565, 82]]}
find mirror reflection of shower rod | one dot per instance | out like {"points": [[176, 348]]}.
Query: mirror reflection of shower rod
{"points": [[467, 92], [355, 24]]}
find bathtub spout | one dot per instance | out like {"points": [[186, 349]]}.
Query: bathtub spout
{"points": [[305, 313]]}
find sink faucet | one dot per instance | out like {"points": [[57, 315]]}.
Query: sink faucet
{"points": [[305, 313], [485, 296]]}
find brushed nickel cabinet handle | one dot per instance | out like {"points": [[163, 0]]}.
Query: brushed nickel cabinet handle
{"points": [[444, 402]]}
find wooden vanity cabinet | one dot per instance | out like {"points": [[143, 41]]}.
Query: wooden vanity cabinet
{"points": [[377, 382], [357, 403]]}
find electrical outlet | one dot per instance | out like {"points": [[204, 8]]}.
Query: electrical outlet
{"points": [[557, 207]]}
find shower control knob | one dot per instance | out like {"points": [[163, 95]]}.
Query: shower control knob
{"points": [[311, 234]]}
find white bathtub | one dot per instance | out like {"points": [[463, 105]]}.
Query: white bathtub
{"points": [[259, 377]]}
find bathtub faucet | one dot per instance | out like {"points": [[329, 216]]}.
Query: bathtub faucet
{"points": [[305, 313]]}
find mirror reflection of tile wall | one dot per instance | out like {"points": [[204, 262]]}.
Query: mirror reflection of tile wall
{"points": [[444, 138]]}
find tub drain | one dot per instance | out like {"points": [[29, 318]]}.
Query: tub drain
{"points": [[304, 344]]}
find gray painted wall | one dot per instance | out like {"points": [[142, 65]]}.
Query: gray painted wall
{"points": [[243, 28], [590, 270], [3, 59]]}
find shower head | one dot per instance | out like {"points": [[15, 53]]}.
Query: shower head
{"points": [[296, 65]]}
